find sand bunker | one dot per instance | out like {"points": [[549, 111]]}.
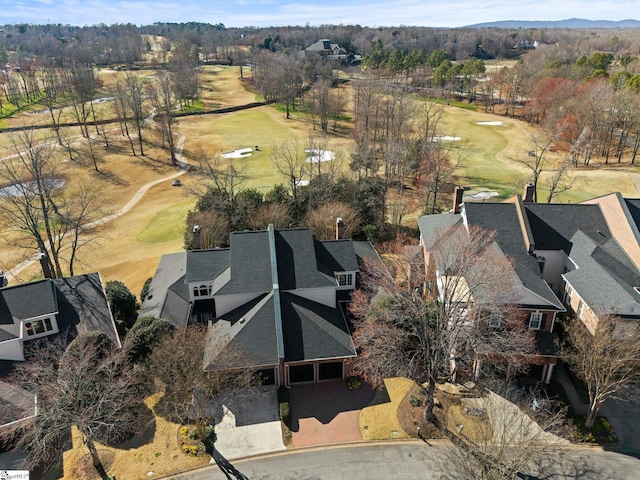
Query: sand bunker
{"points": [[489, 123], [447, 138], [238, 153], [319, 155], [481, 195], [302, 183]]}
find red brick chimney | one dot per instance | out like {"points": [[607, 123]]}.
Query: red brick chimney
{"points": [[339, 229], [457, 198]]}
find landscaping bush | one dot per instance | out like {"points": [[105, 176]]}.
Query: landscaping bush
{"points": [[144, 335], [353, 383]]}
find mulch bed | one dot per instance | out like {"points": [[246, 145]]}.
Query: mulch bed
{"points": [[411, 416]]}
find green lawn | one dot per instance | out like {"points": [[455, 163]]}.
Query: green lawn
{"points": [[167, 224]]}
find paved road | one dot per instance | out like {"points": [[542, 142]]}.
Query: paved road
{"points": [[402, 460]]}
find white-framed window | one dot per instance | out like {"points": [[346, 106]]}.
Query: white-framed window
{"points": [[535, 320], [495, 320], [344, 279], [38, 327], [202, 291], [568, 294], [580, 309]]}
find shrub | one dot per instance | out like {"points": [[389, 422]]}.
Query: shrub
{"points": [[415, 401], [354, 383], [285, 410], [123, 304], [190, 449], [144, 335]]}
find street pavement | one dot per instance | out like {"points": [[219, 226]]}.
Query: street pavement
{"points": [[410, 459]]}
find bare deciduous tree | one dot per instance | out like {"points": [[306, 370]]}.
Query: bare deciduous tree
{"points": [[322, 220], [190, 392], [399, 331], [607, 360], [501, 437], [47, 215], [90, 385]]}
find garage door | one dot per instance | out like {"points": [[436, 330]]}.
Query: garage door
{"points": [[330, 371], [301, 374]]}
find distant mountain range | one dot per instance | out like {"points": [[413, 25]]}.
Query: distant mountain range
{"points": [[570, 23]]}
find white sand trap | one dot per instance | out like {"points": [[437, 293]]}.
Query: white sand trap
{"points": [[448, 138], [481, 195], [319, 155], [489, 123], [302, 183], [238, 153]]}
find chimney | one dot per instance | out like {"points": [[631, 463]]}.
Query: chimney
{"points": [[339, 229], [46, 266], [3, 279], [457, 198], [197, 241], [529, 193]]}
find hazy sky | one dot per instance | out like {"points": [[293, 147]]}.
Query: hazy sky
{"points": [[239, 13]]}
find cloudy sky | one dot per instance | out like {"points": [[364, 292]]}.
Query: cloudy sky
{"points": [[239, 13]]}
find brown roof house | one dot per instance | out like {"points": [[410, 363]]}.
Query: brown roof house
{"points": [[582, 257], [324, 47], [278, 295]]}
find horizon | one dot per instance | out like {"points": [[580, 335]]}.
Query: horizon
{"points": [[268, 13]]}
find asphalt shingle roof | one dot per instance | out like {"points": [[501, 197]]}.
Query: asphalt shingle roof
{"points": [[250, 263], [503, 219], [79, 304], [22, 302], [313, 331], [205, 265]]}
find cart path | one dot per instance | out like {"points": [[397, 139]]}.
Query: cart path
{"points": [[15, 271]]}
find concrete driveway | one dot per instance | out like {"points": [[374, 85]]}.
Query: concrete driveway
{"points": [[251, 430]]}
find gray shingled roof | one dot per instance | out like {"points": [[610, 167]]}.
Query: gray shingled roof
{"points": [[601, 280], [298, 261], [22, 302], [205, 265], [313, 331], [503, 219], [433, 226], [79, 302], [83, 306], [248, 329], [336, 256], [250, 263], [172, 267]]}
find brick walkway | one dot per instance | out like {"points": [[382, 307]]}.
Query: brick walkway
{"points": [[327, 413]]}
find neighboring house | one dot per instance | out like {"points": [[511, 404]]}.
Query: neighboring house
{"points": [[71, 306], [573, 255], [327, 49], [280, 296]]}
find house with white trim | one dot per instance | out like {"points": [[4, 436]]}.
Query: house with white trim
{"points": [[279, 296], [583, 257]]}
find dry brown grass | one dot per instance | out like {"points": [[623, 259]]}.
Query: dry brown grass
{"points": [[380, 422], [160, 455]]}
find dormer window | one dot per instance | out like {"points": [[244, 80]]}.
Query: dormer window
{"points": [[344, 279], [202, 291]]}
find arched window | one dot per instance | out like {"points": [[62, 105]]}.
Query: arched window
{"points": [[204, 291]]}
